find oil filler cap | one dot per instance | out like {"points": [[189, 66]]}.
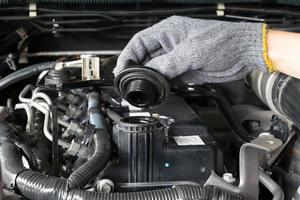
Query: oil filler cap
{"points": [[141, 86]]}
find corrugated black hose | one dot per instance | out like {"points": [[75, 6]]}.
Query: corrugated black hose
{"points": [[7, 133], [37, 186]]}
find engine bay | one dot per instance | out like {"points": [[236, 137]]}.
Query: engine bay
{"points": [[69, 129]]}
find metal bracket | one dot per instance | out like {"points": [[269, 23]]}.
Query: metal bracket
{"points": [[252, 156]]}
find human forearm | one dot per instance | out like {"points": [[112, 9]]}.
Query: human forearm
{"points": [[284, 52]]}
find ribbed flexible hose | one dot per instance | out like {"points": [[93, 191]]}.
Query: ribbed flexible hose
{"points": [[7, 133], [11, 163], [37, 186], [188, 192]]}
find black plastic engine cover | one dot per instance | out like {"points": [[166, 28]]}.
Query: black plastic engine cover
{"points": [[189, 153]]}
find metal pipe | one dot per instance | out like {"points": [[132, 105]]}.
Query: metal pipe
{"points": [[271, 185]]}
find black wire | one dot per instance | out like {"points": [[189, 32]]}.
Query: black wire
{"points": [[79, 21], [264, 11], [9, 18], [240, 135], [105, 28], [14, 8]]}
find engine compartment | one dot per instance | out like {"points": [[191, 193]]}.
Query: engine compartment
{"points": [[69, 129]]}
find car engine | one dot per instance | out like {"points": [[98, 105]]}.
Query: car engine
{"points": [[71, 130]]}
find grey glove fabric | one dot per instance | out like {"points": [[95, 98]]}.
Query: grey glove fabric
{"points": [[198, 50]]}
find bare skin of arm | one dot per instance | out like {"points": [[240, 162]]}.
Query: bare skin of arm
{"points": [[284, 52]]}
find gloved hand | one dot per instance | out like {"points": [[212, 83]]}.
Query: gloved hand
{"points": [[199, 50]]}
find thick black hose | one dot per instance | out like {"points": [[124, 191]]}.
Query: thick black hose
{"points": [[7, 133], [188, 192], [37, 186], [238, 132], [95, 164], [11, 163], [229, 116], [24, 73], [240, 135], [102, 151], [28, 154]]}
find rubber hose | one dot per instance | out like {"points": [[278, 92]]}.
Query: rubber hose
{"points": [[28, 154], [25, 73], [11, 163], [240, 135], [36, 186], [187, 192], [95, 164], [230, 117], [102, 152], [7, 133]]}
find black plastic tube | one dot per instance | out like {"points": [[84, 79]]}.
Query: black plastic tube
{"points": [[28, 154], [7, 133], [11, 163], [240, 135], [95, 164], [102, 152], [24, 73]]}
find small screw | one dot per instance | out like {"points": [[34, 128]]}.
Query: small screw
{"points": [[105, 186]]}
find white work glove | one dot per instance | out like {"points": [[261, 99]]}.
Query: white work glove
{"points": [[200, 50]]}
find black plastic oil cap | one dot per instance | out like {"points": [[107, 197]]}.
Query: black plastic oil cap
{"points": [[141, 86]]}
